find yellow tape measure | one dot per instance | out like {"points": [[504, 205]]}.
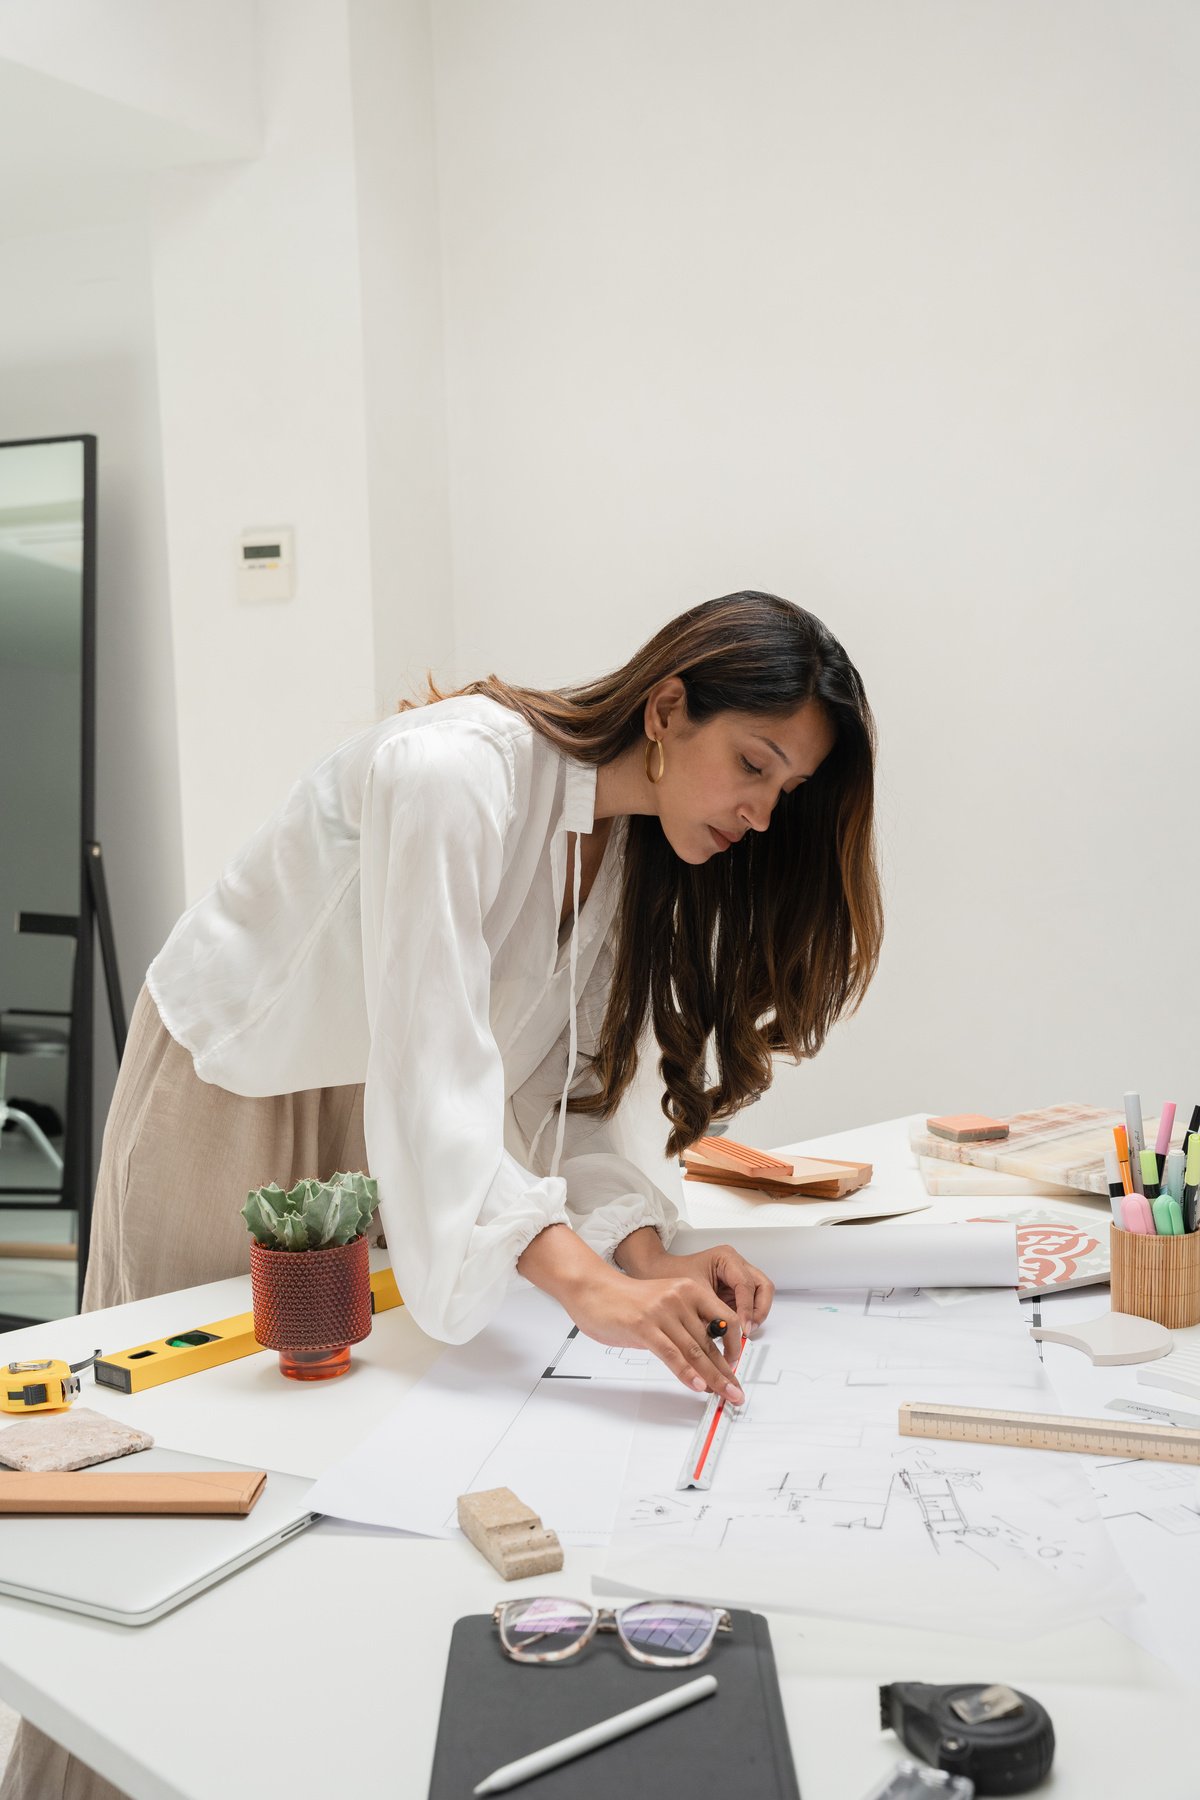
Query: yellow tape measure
{"points": [[1050, 1431], [45, 1385]]}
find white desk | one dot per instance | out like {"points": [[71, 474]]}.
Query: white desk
{"points": [[317, 1672]]}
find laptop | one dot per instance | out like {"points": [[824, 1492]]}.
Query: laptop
{"points": [[132, 1570]]}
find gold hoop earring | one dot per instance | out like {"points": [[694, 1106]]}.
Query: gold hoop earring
{"points": [[652, 743]]}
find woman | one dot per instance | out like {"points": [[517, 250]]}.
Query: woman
{"points": [[439, 957], [453, 933]]}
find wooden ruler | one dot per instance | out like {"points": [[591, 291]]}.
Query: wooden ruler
{"points": [[1134, 1440]]}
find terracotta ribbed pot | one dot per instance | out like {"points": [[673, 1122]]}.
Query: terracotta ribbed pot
{"points": [[311, 1305]]}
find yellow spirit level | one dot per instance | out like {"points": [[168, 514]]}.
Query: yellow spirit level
{"points": [[384, 1292], [45, 1386], [205, 1346], [185, 1353]]}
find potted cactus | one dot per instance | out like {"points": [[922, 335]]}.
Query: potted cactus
{"points": [[310, 1272]]}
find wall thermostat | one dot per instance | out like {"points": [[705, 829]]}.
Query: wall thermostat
{"points": [[266, 565]]}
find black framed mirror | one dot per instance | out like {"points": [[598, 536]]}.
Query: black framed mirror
{"points": [[50, 864]]}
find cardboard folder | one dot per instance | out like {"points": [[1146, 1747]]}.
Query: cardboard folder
{"points": [[230, 1493]]}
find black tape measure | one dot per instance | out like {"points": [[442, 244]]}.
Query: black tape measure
{"points": [[1001, 1739]]}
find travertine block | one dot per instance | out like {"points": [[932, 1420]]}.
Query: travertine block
{"points": [[511, 1536]]}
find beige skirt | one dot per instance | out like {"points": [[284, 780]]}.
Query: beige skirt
{"points": [[180, 1156], [178, 1159]]}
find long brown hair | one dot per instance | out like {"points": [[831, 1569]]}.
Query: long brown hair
{"points": [[758, 951]]}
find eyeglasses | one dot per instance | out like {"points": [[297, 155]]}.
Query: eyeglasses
{"points": [[665, 1634]]}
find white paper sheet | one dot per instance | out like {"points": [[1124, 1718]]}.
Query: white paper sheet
{"points": [[870, 1256], [818, 1505], [1152, 1510], [521, 1406], [708, 1205]]}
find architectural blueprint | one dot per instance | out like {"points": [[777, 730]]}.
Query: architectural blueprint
{"points": [[1151, 1510], [819, 1505]]}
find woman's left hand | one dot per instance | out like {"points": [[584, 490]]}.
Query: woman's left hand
{"points": [[742, 1286]]}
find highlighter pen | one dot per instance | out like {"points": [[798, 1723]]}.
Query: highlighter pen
{"points": [[1116, 1187], [1174, 1174], [1193, 1128], [1162, 1220], [1168, 1219], [1191, 1181], [1122, 1142], [1136, 1215], [1137, 1141], [1162, 1142]]}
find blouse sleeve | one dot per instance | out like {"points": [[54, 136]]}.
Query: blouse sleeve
{"points": [[607, 1195], [458, 1210]]}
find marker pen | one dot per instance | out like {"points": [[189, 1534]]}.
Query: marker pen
{"points": [[1116, 1187], [1168, 1219], [1136, 1215], [1193, 1128], [1165, 1212], [1191, 1181], [1121, 1138], [1172, 1179], [1137, 1141], [1162, 1142]]}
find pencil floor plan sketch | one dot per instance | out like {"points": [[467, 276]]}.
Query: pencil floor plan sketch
{"points": [[818, 1503], [1152, 1511]]}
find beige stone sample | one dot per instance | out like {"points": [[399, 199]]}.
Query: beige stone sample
{"points": [[509, 1534]]}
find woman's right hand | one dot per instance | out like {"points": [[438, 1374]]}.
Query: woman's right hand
{"points": [[670, 1318]]}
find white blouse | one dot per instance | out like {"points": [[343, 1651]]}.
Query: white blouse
{"points": [[396, 922]]}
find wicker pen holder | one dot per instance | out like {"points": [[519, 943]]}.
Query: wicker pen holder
{"points": [[1156, 1277]]}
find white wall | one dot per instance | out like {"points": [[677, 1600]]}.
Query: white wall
{"points": [[289, 241], [77, 355], [94, 103], [191, 66], [886, 308], [258, 304], [96, 100], [297, 295], [404, 389], [214, 327], [889, 309]]}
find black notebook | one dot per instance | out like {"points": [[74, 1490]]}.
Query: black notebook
{"points": [[494, 1710]]}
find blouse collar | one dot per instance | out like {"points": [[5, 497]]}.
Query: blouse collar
{"points": [[579, 796]]}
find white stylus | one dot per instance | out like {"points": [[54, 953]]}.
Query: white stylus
{"points": [[603, 1733]]}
